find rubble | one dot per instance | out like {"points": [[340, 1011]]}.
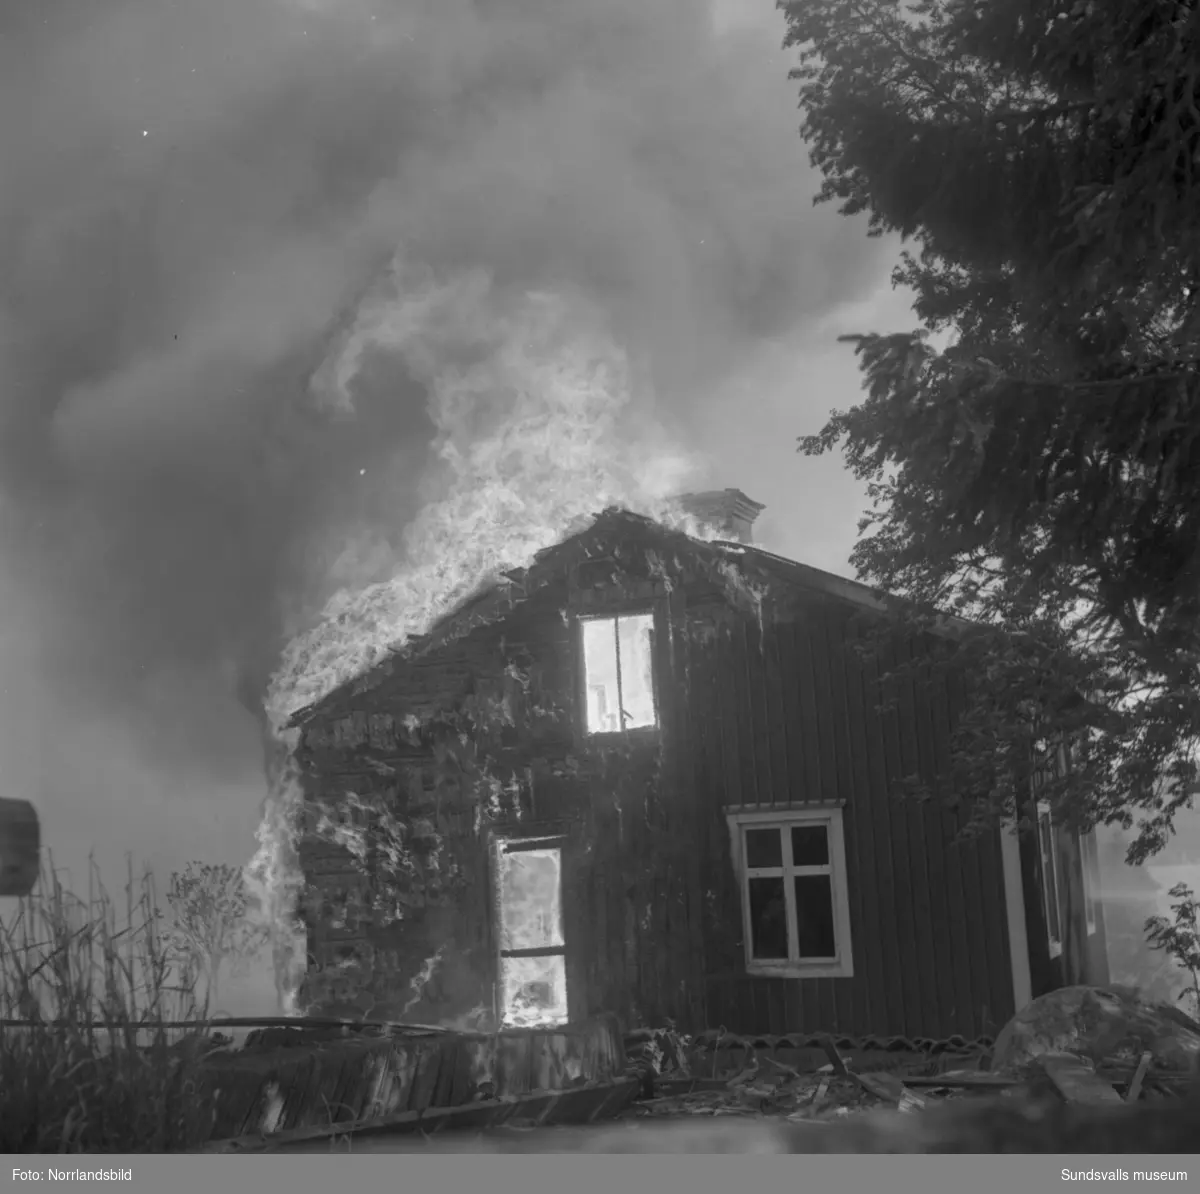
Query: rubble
{"points": [[1062, 1079], [762, 1085], [1079, 1045]]}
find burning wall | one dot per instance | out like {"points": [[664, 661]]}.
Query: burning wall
{"points": [[396, 892], [531, 400]]}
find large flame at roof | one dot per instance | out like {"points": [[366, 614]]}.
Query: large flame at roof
{"points": [[531, 400]]}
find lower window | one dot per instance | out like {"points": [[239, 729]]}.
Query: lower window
{"points": [[533, 975], [791, 865]]}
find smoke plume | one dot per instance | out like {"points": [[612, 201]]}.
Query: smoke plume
{"points": [[199, 442]]}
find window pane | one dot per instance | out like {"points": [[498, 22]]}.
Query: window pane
{"points": [[637, 678], [810, 845], [530, 899], [768, 919], [600, 674], [763, 848], [814, 916], [534, 991]]}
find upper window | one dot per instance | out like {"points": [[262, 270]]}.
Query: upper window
{"points": [[618, 668], [1048, 857], [791, 864]]}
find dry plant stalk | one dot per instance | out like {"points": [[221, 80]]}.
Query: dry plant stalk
{"points": [[91, 1064]]}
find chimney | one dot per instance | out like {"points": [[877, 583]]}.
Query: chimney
{"points": [[728, 511]]}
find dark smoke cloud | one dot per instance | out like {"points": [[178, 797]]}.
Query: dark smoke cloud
{"points": [[192, 196]]}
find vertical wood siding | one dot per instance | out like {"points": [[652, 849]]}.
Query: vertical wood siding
{"points": [[788, 714]]}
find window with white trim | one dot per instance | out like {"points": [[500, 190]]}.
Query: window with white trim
{"points": [[791, 868], [1090, 866], [618, 669], [1048, 858]]}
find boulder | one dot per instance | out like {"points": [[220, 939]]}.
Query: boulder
{"points": [[1102, 1024]]}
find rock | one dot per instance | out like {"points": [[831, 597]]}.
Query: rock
{"points": [[1101, 1024]]}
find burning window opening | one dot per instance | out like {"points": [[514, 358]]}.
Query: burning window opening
{"points": [[1049, 861], [619, 672], [533, 976], [796, 915]]}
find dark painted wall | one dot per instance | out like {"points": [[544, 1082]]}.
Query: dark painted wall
{"points": [[789, 714]]}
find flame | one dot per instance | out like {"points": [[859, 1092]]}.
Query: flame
{"points": [[536, 429]]}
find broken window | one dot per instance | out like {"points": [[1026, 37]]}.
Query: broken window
{"points": [[618, 672], [791, 865], [533, 975], [1048, 857]]}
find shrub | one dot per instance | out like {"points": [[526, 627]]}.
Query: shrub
{"points": [[1179, 938]]}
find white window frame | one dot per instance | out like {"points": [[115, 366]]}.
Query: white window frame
{"points": [[614, 616], [757, 817], [1089, 865], [1053, 928]]}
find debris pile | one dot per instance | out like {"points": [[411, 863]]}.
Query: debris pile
{"points": [[1144, 1050], [673, 1082], [1078, 1045]]}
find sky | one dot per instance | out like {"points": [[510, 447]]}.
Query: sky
{"points": [[194, 202]]}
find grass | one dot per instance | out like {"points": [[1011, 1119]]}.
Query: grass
{"points": [[96, 1067]]}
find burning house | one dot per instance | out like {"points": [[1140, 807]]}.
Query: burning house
{"points": [[647, 775]]}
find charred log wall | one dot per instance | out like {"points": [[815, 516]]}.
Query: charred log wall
{"points": [[401, 790]]}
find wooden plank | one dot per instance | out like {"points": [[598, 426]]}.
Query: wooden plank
{"points": [[825, 719], [790, 681], [1139, 1076], [931, 971], [769, 786], [892, 826], [20, 847], [726, 713], [778, 729], [809, 734], [991, 913], [692, 804], [891, 1090], [955, 851], [1077, 1083], [871, 886], [586, 1104], [835, 1058], [963, 1081], [754, 790], [793, 1006], [715, 875], [940, 828], [852, 995]]}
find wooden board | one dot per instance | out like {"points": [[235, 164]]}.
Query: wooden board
{"points": [[1077, 1083], [579, 1106], [20, 847]]}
